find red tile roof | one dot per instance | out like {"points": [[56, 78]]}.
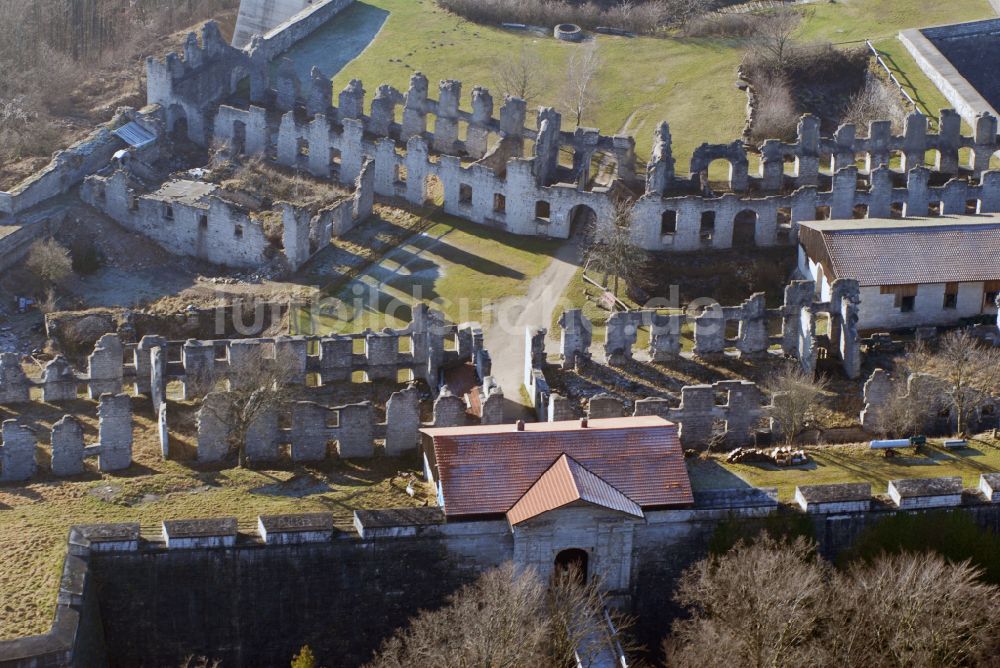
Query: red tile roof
{"points": [[485, 470], [901, 252], [565, 482]]}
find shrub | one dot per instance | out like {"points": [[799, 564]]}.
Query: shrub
{"points": [[87, 257], [49, 264]]}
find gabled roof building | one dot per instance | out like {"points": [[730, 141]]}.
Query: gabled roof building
{"points": [[912, 272]]}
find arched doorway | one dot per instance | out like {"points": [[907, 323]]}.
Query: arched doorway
{"points": [[582, 221], [574, 561], [745, 229]]}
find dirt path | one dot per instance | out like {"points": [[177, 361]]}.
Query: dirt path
{"points": [[504, 339]]}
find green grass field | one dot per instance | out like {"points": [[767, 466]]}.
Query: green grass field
{"points": [[458, 267], [852, 463], [643, 80]]}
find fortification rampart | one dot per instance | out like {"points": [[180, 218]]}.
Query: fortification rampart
{"points": [[125, 579]]}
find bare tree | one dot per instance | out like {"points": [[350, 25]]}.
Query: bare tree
{"points": [[521, 75], [774, 30], [756, 605], [613, 252], [968, 369], [911, 610], [795, 396], [498, 621], [258, 386], [580, 91], [49, 263], [903, 412], [778, 604]]}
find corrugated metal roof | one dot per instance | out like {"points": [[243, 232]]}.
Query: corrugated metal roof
{"points": [[135, 135], [486, 469], [900, 254], [567, 481]]}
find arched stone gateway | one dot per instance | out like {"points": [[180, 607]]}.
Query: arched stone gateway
{"points": [[582, 221], [574, 561]]}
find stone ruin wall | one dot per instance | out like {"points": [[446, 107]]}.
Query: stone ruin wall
{"points": [[224, 233], [148, 367], [698, 412], [536, 196]]}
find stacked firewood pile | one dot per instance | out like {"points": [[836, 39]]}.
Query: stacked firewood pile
{"points": [[783, 456]]}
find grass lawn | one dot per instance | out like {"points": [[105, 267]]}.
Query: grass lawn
{"points": [[459, 267], [643, 80], [35, 517], [852, 463]]}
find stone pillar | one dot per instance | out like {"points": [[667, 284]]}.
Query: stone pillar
{"points": [[402, 422], [414, 108], [356, 433], [199, 368], [492, 402], [17, 456], [335, 353], [949, 141], [212, 428], [320, 96], [351, 101], [985, 138], [309, 432], [67, 447], [753, 338], [105, 367], [114, 432], [710, 332], [263, 438], [661, 166], [142, 361], [560, 408], [605, 406], [478, 133], [877, 389], [384, 110], [58, 381], [244, 356], [575, 337], [665, 336], [382, 354], [14, 385], [620, 334], [291, 355], [917, 193], [287, 85], [534, 351], [449, 410]]}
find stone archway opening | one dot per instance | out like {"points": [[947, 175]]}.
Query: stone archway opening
{"points": [[573, 561], [745, 229], [582, 222]]}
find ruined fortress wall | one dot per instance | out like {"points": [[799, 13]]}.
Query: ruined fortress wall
{"points": [[256, 604], [284, 35]]}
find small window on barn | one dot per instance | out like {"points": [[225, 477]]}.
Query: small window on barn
{"points": [[133, 203], [904, 296], [203, 222], [168, 212], [499, 203], [238, 231], [464, 194], [542, 210], [951, 295], [707, 230], [668, 223]]}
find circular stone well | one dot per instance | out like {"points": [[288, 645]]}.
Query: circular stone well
{"points": [[568, 32]]}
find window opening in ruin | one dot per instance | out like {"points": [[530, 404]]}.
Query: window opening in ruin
{"points": [[822, 213], [465, 194], [499, 203], [582, 221], [203, 222], [101, 195], [302, 147], [333, 419], [400, 174], [359, 345], [971, 206], [433, 190], [860, 211], [168, 212], [745, 229], [573, 561], [932, 159], [934, 209], [784, 232], [332, 449], [451, 342], [668, 223], [133, 203], [897, 161], [791, 165], [897, 210], [542, 210], [966, 157], [826, 163], [359, 377], [404, 344], [707, 229], [404, 375], [334, 161], [313, 380], [951, 295], [238, 232], [239, 137], [907, 303]]}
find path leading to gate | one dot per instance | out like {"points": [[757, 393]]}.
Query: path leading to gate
{"points": [[504, 337]]}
